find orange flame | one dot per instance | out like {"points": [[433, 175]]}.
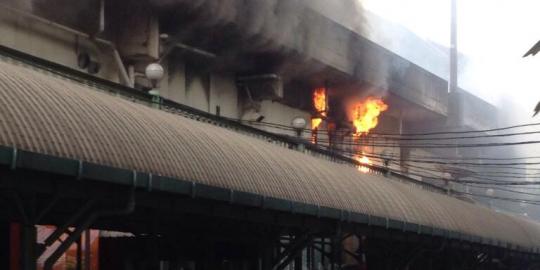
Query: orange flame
{"points": [[315, 122], [363, 160], [319, 102], [366, 113]]}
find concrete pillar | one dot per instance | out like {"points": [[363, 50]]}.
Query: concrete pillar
{"points": [[403, 152], [137, 34]]}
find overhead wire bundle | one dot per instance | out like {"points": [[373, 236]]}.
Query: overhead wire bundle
{"points": [[499, 173]]}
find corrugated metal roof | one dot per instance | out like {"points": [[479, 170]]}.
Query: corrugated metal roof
{"points": [[48, 115]]}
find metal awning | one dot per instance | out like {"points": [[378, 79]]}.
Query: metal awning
{"points": [[49, 118]]}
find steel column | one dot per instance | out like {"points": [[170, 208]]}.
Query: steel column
{"points": [[28, 247], [87, 248]]}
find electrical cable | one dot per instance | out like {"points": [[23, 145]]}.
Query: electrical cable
{"points": [[442, 145], [471, 164], [517, 200], [492, 182], [507, 190], [400, 134], [497, 174], [486, 181]]}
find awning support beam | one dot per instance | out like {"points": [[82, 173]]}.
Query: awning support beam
{"points": [[85, 224], [295, 248], [64, 229]]}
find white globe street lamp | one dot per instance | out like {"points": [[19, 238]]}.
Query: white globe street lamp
{"points": [[154, 72], [299, 124]]}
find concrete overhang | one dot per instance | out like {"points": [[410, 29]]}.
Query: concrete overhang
{"points": [[303, 31]]}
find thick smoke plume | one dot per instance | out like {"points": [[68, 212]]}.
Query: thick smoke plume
{"points": [[82, 15], [325, 33]]}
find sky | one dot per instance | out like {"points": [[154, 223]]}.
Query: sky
{"points": [[493, 34]]}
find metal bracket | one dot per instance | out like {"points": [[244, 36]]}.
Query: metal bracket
{"points": [[289, 254], [25, 217], [64, 229], [47, 208], [83, 225], [14, 155]]}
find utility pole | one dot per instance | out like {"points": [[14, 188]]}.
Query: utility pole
{"points": [[453, 81], [455, 114]]}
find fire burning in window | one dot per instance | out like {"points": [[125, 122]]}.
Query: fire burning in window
{"points": [[319, 103], [366, 115], [315, 123]]}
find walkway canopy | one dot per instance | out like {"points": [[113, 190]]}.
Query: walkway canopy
{"points": [[44, 114]]}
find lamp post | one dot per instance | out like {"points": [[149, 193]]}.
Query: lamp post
{"points": [[299, 124], [154, 73]]}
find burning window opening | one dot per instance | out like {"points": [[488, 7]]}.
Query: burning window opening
{"points": [[320, 103], [366, 117]]}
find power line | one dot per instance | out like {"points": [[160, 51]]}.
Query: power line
{"points": [[490, 173], [457, 163], [378, 136], [497, 182], [499, 198], [493, 173], [401, 134], [442, 145], [517, 200], [459, 137], [433, 174], [464, 158], [436, 159], [498, 174], [485, 180], [472, 164], [507, 190], [476, 175]]}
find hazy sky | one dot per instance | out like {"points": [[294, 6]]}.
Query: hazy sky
{"points": [[494, 34]]}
